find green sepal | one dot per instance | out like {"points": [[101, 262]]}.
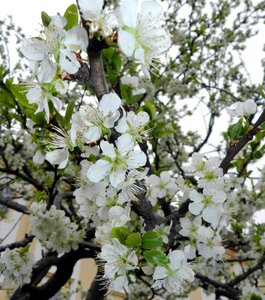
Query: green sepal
{"points": [[45, 18]]}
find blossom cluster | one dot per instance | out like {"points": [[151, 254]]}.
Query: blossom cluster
{"points": [[57, 52], [53, 229], [113, 177], [16, 266]]}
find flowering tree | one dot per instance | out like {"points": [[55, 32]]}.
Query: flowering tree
{"points": [[104, 167]]}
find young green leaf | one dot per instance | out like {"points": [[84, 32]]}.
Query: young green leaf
{"points": [[133, 240], [120, 233], [151, 240], [71, 15], [156, 258]]}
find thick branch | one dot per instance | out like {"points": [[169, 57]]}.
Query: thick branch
{"points": [[13, 205], [65, 265], [28, 239]]}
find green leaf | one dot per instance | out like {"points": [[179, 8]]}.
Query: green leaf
{"points": [[41, 196], [133, 240], [156, 258], [46, 19], [69, 113], [255, 297], [7, 99], [150, 109], [19, 92], [235, 131], [121, 233], [151, 240], [261, 92], [71, 15]]}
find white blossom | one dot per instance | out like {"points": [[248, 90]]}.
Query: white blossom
{"points": [[116, 161], [173, 277], [53, 229], [241, 109], [16, 266], [119, 261], [141, 35]]}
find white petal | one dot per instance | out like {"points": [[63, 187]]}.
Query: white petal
{"points": [[176, 258], [195, 207], [151, 9], [136, 159], [34, 49], [125, 143], [127, 13], [120, 282], [109, 104], [122, 125], [68, 61], [142, 118], [160, 273], [126, 42], [58, 157], [47, 70], [195, 196], [110, 121], [139, 54], [92, 134], [99, 170], [34, 94], [59, 21], [90, 8], [107, 149], [57, 103], [117, 177], [76, 38]]}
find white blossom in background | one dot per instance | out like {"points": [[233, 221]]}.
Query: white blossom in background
{"points": [[141, 35], [177, 272], [161, 186], [209, 244], [119, 261], [53, 229], [209, 204], [16, 266], [262, 240], [242, 109]]}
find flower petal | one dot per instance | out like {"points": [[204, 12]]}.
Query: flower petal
{"points": [[68, 61], [127, 13], [76, 38], [126, 42], [99, 170], [109, 104], [107, 149], [136, 159], [125, 143]]}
